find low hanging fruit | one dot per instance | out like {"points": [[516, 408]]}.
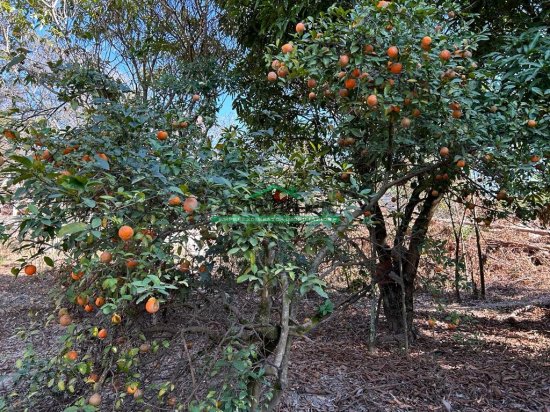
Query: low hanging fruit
{"points": [[461, 163], [272, 77], [125, 233], [393, 52], [190, 204], [300, 28], [30, 270], [444, 151], [174, 201], [426, 43], [343, 60], [152, 305], [106, 257], [100, 301], [95, 399], [287, 48], [72, 355], [445, 55], [162, 135], [372, 100]]}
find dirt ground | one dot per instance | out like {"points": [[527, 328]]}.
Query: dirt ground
{"points": [[497, 359]]}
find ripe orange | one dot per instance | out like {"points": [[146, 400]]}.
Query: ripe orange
{"points": [[382, 4], [131, 263], [535, 158], [405, 122], [72, 355], [174, 201], [272, 77], [445, 55], [282, 71], [106, 257], [341, 75], [30, 270], [184, 265], [343, 92], [125, 233], [311, 83], [195, 98], [416, 113], [81, 300], [190, 204], [461, 163], [8, 134], [184, 125], [372, 100], [454, 106], [162, 135], [287, 48], [77, 275], [275, 64], [152, 305], [457, 114], [368, 49], [356, 73], [531, 123], [426, 42], [343, 61], [300, 28], [203, 268], [393, 52], [65, 320], [102, 334], [312, 96], [99, 301], [396, 68], [88, 308], [350, 84], [444, 151], [93, 378]]}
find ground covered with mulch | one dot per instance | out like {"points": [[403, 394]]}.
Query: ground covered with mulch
{"points": [[497, 359]]}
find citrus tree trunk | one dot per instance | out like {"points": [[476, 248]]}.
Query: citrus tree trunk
{"points": [[398, 265]]}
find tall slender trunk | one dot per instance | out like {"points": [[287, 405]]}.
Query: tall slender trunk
{"points": [[480, 257]]}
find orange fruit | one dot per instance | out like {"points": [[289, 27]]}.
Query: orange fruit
{"points": [[457, 114], [77, 275], [445, 55], [131, 263], [531, 123], [368, 49], [131, 389], [275, 64], [190, 204], [72, 355], [184, 125], [100, 301], [81, 300], [102, 334], [405, 122], [426, 42], [184, 265], [300, 28], [125, 233], [535, 158], [282, 71], [454, 106], [30, 270], [88, 308], [87, 158], [416, 112], [343, 60], [444, 151], [174, 201], [396, 68], [287, 48], [312, 96], [372, 100], [271, 77], [343, 92], [382, 4], [152, 305], [311, 83], [103, 156], [350, 84], [8, 134], [393, 52], [106, 257], [356, 73], [162, 135], [195, 98], [65, 320], [202, 268], [461, 163]]}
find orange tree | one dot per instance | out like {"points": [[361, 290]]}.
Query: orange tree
{"points": [[390, 90]]}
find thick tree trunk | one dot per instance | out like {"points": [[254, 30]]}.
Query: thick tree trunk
{"points": [[399, 265]]}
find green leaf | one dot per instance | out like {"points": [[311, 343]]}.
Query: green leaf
{"points": [[71, 228], [48, 261]]}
